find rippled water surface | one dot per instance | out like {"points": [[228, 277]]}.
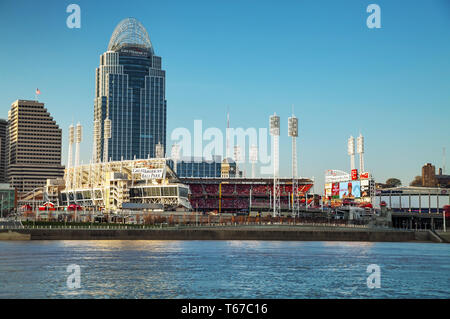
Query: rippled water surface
{"points": [[223, 269]]}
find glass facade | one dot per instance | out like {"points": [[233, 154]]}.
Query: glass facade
{"points": [[203, 169], [7, 199], [130, 92], [189, 167]]}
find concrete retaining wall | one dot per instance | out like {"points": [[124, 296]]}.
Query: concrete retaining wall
{"points": [[221, 234]]}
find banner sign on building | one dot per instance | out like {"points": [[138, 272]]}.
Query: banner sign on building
{"points": [[350, 189], [335, 191], [354, 174], [147, 173], [328, 189], [332, 176], [140, 170], [154, 173], [365, 188], [364, 175]]}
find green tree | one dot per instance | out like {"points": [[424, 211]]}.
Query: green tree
{"points": [[393, 182]]}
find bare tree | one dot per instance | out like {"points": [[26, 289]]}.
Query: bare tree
{"points": [[417, 181]]}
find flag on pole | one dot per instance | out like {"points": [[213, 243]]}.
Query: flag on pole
{"points": [[38, 92]]}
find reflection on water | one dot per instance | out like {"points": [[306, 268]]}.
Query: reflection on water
{"points": [[122, 244], [245, 243], [223, 269], [357, 244]]}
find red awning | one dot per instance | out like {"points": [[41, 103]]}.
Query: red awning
{"points": [[47, 208], [74, 207]]}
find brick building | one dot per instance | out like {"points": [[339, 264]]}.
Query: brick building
{"points": [[430, 179]]}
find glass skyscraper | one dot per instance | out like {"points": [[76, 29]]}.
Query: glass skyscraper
{"points": [[130, 105]]}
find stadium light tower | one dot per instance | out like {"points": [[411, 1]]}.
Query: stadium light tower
{"points": [[106, 137], [70, 157], [175, 154], [237, 158], [79, 132], [293, 132], [360, 150], [77, 145], [351, 152], [275, 132], [97, 132], [253, 158]]}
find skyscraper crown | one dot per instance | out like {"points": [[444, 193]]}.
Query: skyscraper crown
{"points": [[130, 33]]}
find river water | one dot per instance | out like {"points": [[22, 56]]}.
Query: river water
{"points": [[222, 269]]}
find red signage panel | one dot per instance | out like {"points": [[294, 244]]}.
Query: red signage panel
{"points": [[354, 174], [364, 175]]}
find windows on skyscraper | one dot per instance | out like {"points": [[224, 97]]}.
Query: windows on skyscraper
{"points": [[130, 93]]}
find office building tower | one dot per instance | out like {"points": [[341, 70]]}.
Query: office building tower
{"points": [[3, 142], [34, 146], [129, 97]]}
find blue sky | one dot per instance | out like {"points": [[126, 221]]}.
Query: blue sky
{"points": [[392, 84]]}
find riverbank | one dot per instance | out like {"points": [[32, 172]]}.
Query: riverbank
{"points": [[291, 233], [14, 235]]}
